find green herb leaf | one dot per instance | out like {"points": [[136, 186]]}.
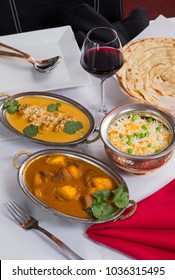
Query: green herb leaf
{"points": [[102, 211], [72, 127], [102, 196], [7, 104], [31, 130], [11, 106], [107, 203], [53, 107], [121, 196]]}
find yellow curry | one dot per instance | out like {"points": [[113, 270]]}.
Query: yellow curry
{"points": [[47, 119], [65, 183]]}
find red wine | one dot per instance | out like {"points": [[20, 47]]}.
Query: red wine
{"points": [[102, 62]]}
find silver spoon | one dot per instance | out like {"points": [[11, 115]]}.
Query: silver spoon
{"points": [[42, 66]]}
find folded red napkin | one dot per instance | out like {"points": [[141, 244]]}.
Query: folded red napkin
{"points": [[149, 234]]}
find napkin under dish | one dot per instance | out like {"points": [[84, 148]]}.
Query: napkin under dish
{"points": [[149, 234]]}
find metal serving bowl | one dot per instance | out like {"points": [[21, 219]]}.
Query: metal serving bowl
{"points": [[84, 139], [138, 164], [31, 157]]}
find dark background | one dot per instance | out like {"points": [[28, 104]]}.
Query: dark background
{"points": [[153, 7]]}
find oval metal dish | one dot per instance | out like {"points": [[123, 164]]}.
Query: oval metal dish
{"points": [[31, 157], [57, 97]]}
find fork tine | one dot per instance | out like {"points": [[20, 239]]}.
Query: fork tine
{"points": [[11, 210], [18, 213], [19, 209]]}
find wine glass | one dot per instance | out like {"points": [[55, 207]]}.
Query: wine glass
{"points": [[102, 56]]}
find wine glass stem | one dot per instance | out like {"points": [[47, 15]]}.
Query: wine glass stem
{"points": [[103, 109]]}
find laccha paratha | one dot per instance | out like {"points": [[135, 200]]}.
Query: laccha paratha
{"points": [[148, 72]]}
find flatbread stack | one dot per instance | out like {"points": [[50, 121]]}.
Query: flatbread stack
{"points": [[148, 72]]}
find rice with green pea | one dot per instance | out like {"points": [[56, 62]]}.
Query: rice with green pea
{"points": [[139, 135]]}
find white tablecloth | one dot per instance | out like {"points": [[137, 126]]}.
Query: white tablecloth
{"points": [[16, 243]]}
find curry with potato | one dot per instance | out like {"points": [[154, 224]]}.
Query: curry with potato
{"points": [[75, 187]]}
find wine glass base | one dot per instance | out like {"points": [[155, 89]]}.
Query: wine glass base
{"points": [[101, 112], [99, 115]]}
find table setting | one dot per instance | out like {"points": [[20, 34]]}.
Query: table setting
{"points": [[143, 230]]}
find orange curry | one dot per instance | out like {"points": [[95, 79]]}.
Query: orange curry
{"points": [[66, 183], [55, 120]]}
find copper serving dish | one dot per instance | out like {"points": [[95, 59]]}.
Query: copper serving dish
{"points": [[138, 164]]}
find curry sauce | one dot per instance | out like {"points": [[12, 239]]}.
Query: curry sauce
{"points": [[52, 120], [66, 183]]}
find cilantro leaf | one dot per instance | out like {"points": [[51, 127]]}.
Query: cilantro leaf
{"points": [[121, 196], [11, 106], [7, 104], [72, 127], [31, 130], [102, 196], [102, 211], [106, 203], [53, 107]]}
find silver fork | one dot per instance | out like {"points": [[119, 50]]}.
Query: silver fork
{"points": [[26, 221]]}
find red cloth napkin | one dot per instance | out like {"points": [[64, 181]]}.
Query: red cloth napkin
{"points": [[149, 234]]}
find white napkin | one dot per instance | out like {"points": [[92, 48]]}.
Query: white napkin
{"points": [[160, 27]]}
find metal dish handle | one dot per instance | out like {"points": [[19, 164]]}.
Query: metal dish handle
{"points": [[133, 209], [87, 141], [16, 157], [3, 95]]}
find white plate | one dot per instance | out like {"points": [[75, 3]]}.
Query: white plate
{"points": [[18, 75]]}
